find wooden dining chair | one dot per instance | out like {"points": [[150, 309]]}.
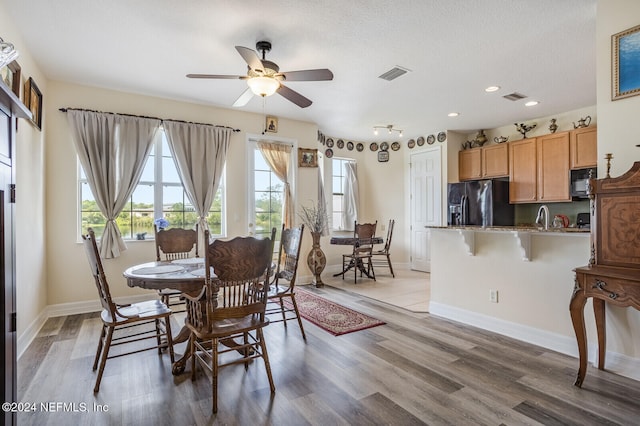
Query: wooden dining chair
{"points": [[284, 280], [360, 257], [116, 317], [174, 244], [231, 308], [383, 257]]}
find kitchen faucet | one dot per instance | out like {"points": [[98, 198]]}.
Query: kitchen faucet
{"points": [[543, 211]]}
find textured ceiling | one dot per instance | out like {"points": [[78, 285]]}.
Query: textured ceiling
{"points": [[544, 49]]}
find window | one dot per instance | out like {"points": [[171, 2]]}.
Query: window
{"points": [[266, 192], [337, 185], [268, 197], [158, 194]]}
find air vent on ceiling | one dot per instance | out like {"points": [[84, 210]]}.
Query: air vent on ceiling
{"points": [[515, 96], [394, 73]]}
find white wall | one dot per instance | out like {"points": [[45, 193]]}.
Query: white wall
{"points": [[617, 129], [31, 260]]}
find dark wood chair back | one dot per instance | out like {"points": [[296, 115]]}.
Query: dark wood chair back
{"points": [[387, 243], [242, 267], [95, 263], [175, 243], [289, 254], [364, 232]]}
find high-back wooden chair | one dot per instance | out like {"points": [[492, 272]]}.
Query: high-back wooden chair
{"points": [[360, 257], [383, 257], [174, 244], [284, 279], [231, 306], [116, 317]]}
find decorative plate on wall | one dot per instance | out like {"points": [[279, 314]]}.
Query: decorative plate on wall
{"points": [[340, 143], [384, 146], [329, 143], [359, 147], [350, 146], [373, 146], [411, 143], [442, 136], [420, 140], [395, 146], [431, 139], [329, 153]]}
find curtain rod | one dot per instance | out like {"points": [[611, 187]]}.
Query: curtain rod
{"points": [[144, 116]]}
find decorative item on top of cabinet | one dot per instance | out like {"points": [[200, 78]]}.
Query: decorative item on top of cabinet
{"points": [[584, 148], [501, 139], [480, 139], [524, 129], [553, 126], [583, 122]]}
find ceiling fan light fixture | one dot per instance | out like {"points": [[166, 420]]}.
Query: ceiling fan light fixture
{"points": [[389, 128], [263, 86]]}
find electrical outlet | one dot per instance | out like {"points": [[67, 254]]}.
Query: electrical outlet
{"points": [[493, 296]]}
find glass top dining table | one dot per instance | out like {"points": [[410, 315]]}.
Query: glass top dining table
{"points": [[187, 276]]}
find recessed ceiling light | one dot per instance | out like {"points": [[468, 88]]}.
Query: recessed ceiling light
{"points": [[531, 103], [492, 89], [453, 114]]}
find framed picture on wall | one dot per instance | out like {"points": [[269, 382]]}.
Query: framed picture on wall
{"points": [[625, 52], [271, 124], [10, 75], [307, 157], [33, 101]]}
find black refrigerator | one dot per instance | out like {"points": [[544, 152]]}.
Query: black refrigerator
{"points": [[480, 203]]}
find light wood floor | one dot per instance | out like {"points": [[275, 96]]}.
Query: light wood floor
{"points": [[409, 289], [416, 369]]}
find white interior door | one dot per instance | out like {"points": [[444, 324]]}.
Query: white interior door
{"points": [[426, 207]]}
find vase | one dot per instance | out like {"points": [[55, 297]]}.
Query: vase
{"points": [[316, 260]]}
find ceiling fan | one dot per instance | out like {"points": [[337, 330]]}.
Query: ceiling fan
{"points": [[264, 77]]}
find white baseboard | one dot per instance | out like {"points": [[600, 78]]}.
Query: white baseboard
{"points": [[621, 364], [63, 309]]}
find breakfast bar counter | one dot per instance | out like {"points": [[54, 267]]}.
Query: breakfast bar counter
{"points": [[523, 235], [518, 281]]}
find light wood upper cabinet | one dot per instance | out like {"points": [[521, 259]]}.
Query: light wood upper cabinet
{"points": [[495, 161], [553, 167], [469, 164], [523, 177], [584, 148]]}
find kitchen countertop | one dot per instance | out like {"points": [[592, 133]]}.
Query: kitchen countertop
{"points": [[516, 229]]}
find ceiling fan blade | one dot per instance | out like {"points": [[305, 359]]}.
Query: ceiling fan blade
{"points": [[251, 58], [293, 96], [244, 98], [308, 75], [228, 77]]}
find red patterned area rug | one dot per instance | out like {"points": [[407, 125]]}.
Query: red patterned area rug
{"points": [[330, 316]]}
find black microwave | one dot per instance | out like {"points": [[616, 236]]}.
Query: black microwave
{"points": [[580, 182]]}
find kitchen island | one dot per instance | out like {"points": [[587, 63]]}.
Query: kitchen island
{"points": [[489, 278]]}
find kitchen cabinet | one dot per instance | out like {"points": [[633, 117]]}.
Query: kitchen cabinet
{"points": [[469, 164], [539, 169], [584, 148], [495, 161], [553, 167], [523, 173]]}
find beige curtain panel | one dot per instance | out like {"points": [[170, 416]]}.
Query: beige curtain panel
{"points": [[199, 152], [278, 157], [112, 149]]}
